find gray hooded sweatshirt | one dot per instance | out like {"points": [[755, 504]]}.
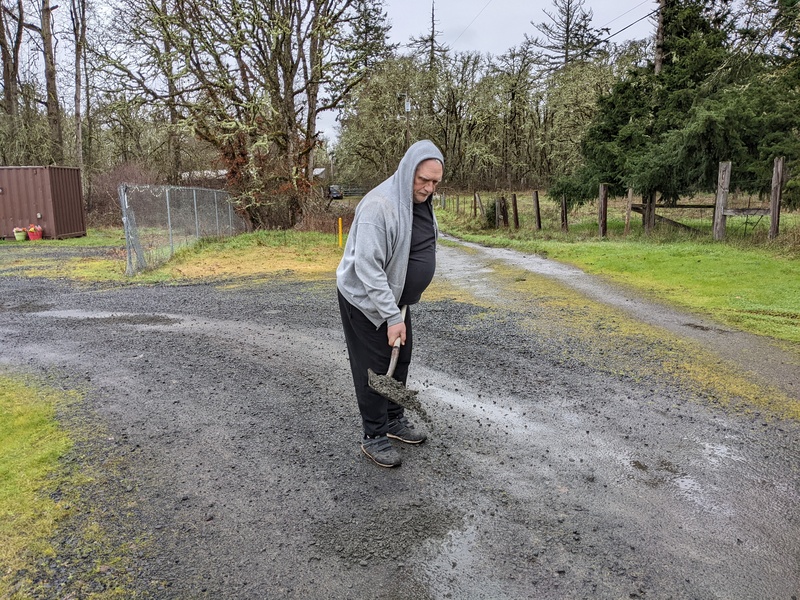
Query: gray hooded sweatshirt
{"points": [[372, 272]]}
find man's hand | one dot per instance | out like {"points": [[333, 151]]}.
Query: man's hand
{"points": [[396, 331]]}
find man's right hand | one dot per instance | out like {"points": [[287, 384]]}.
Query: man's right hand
{"points": [[396, 331]]}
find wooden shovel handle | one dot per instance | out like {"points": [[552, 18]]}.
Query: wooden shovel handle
{"points": [[396, 348]]}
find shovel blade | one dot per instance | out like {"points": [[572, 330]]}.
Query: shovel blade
{"points": [[393, 390]]}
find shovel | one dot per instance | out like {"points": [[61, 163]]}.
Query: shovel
{"points": [[388, 387]]}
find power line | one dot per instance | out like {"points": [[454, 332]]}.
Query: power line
{"points": [[471, 22], [625, 13], [600, 42], [651, 13]]}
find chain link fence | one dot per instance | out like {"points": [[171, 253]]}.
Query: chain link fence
{"points": [[160, 219]]}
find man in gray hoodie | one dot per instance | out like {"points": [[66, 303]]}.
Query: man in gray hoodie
{"points": [[388, 261]]}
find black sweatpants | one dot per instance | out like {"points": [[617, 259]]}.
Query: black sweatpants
{"points": [[369, 348]]}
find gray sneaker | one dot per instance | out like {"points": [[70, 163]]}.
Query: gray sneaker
{"points": [[381, 451], [402, 429]]}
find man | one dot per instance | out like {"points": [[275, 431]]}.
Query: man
{"points": [[388, 261]]}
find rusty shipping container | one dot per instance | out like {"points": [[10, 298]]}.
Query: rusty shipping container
{"points": [[48, 196]]}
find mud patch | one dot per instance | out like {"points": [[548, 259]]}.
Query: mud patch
{"points": [[705, 328], [25, 307], [105, 318]]}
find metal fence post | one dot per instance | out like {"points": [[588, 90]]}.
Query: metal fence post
{"points": [[196, 216], [216, 212], [169, 225], [132, 244], [123, 202]]}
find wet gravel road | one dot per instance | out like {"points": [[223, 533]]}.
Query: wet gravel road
{"points": [[566, 459]]}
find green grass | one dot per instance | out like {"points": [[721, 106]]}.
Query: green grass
{"points": [[31, 446], [748, 289], [49, 475]]}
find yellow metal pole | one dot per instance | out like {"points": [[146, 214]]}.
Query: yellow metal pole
{"points": [[340, 232]]}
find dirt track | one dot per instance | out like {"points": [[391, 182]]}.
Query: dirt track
{"points": [[566, 458]]}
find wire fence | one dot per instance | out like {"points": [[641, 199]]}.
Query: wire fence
{"points": [[160, 219]]}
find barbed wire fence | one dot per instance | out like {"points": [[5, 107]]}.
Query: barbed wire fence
{"points": [[160, 219]]}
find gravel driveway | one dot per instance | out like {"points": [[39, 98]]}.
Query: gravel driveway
{"points": [[568, 455]]}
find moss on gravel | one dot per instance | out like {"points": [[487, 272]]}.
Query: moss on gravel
{"points": [[68, 534], [608, 336]]}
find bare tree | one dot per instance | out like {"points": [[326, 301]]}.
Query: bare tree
{"points": [[44, 29], [250, 78], [568, 36], [77, 12], [11, 30], [428, 45]]}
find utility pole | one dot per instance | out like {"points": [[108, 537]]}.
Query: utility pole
{"points": [[658, 61], [408, 130]]}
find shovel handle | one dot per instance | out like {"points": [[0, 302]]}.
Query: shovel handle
{"points": [[396, 348]]}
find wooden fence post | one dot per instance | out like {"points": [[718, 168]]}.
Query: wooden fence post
{"points": [[497, 213], [628, 212], [649, 212], [775, 197], [504, 210], [723, 185], [564, 224], [480, 205], [602, 210], [536, 210], [514, 210]]}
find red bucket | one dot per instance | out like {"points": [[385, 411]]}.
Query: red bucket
{"points": [[34, 235]]}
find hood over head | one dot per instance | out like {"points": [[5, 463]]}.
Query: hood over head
{"points": [[403, 178]]}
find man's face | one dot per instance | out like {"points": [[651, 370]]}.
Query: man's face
{"points": [[428, 176]]}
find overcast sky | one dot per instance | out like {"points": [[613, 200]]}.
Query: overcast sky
{"points": [[494, 26]]}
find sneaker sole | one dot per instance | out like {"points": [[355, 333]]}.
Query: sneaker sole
{"points": [[376, 461], [397, 437]]}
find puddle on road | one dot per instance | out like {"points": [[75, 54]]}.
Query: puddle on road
{"points": [[691, 489], [665, 473], [458, 568], [716, 452]]}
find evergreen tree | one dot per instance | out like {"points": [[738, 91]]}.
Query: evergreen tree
{"points": [[568, 36], [632, 141]]}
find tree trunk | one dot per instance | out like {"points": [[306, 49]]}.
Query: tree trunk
{"points": [[10, 44], [78, 15], [173, 139], [88, 155], [53, 108]]}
